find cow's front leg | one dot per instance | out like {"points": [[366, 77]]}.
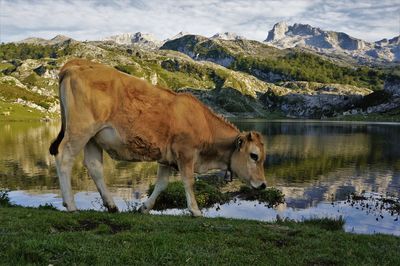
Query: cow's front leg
{"points": [[187, 175], [163, 174]]}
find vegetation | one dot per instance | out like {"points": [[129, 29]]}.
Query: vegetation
{"points": [[207, 193], [271, 196], [11, 93], [39, 236], [18, 112], [391, 116], [259, 60], [174, 195], [4, 199], [23, 51], [309, 67]]}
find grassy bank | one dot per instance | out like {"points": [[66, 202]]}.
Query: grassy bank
{"points": [[392, 116], [44, 236]]}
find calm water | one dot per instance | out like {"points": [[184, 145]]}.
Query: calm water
{"points": [[316, 165]]}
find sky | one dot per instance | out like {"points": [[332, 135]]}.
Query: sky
{"points": [[96, 19]]}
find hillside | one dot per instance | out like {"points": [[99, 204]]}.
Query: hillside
{"points": [[271, 64], [234, 76]]}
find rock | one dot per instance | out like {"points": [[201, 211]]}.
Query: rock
{"points": [[144, 40], [12, 81], [278, 32], [40, 70], [6, 113], [314, 100], [392, 87], [227, 36]]}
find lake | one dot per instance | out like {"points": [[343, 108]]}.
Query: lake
{"points": [[315, 164]]}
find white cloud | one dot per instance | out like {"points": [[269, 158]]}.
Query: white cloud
{"points": [[95, 19]]}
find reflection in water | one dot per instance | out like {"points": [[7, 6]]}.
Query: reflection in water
{"points": [[313, 163]]}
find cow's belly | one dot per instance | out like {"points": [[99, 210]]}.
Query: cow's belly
{"points": [[133, 149]]}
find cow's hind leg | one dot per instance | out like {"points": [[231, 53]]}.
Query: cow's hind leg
{"points": [[163, 174], [93, 160], [67, 151]]}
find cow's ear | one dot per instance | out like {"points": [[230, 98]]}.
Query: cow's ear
{"points": [[239, 141], [250, 136]]}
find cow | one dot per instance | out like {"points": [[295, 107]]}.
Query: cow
{"points": [[132, 120]]}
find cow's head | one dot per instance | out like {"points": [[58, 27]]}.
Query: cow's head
{"points": [[248, 158]]}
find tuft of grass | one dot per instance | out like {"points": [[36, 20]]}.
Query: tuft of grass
{"points": [[271, 196], [47, 206], [4, 199], [207, 193], [327, 223], [174, 195]]}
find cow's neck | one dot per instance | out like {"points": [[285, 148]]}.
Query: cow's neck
{"points": [[222, 145]]}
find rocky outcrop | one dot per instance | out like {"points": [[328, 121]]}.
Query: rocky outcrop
{"points": [[379, 102], [313, 100], [227, 36], [229, 102], [143, 40], [392, 87], [278, 32]]}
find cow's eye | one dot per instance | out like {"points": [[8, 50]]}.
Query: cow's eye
{"points": [[254, 156]]}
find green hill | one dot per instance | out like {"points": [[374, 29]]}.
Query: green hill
{"points": [[271, 64]]}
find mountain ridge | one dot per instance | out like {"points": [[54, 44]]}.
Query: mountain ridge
{"points": [[305, 36]]}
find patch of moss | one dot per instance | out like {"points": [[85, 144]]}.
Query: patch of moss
{"points": [[207, 193], [174, 195], [270, 196]]}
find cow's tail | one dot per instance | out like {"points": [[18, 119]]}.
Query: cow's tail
{"points": [[56, 143]]}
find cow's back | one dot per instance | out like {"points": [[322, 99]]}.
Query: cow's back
{"points": [[140, 112]]}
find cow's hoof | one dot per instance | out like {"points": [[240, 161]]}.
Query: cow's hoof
{"points": [[112, 209], [143, 209], [196, 213], [70, 207]]}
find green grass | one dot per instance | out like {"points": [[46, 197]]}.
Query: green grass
{"points": [[11, 92], [19, 112], [392, 116], [42, 236]]}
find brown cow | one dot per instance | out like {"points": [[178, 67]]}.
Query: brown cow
{"points": [[104, 109]]}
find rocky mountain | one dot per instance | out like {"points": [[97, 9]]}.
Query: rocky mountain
{"points": [[227, 36], [59, 39], [333, 43], [143, 40]]}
